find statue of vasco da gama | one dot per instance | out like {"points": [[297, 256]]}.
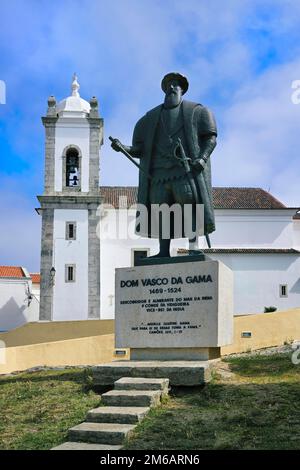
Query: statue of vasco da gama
{"points": [[174, 142]]}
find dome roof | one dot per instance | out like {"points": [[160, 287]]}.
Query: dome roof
{"points": [[73, 106]]}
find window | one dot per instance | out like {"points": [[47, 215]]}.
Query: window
{"points": [[70, 272], [139, 254], [283, 290], [72, 168], [70, 230]]}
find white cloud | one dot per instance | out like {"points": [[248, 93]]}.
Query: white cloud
{"points": [[259, 144]]}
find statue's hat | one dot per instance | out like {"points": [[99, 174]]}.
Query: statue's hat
{"points": [[175, 76]]}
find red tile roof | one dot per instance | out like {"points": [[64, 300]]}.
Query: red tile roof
{"points": [[224, 198], [36, 278], [245, 198], [11, 271], [17, 272]]}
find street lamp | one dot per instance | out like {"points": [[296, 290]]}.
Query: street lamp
{"points": [[52, 274]]}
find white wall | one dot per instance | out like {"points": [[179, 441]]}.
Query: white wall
{"points": [[36, 290], [253, 228], [70, 299], [76, 132], [257, 278], [14, 310], [296, 239]]}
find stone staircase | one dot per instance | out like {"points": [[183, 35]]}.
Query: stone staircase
{"points": [[107, 427]]}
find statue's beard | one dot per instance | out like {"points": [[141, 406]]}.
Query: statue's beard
{"points": [[172, 100]]}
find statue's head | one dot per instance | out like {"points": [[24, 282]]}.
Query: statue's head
{"points": [[174, 85]]}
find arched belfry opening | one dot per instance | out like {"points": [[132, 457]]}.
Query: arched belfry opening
{"points": [[72, 168]]}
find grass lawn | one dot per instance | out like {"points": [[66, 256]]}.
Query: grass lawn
{"points": [[37, 408], [252, 403]]}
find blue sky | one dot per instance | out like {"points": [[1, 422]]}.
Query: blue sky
{"points": [[240, 57]]}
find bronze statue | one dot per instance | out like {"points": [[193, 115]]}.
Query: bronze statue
{"points": [[174, 142]]}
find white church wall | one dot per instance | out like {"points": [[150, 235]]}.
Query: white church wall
{"points": [[70, 299], [78, 134], [257, 280], [253, 229]]}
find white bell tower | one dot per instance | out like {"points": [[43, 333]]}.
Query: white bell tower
{"points": [[70, 253]]}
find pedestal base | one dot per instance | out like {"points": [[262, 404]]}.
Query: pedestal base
{"points": [[174, 354]]}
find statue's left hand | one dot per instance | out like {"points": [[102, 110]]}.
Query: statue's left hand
{"points": [[198, 164]]}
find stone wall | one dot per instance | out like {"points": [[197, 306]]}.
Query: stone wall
{"points": [[57, 344]]}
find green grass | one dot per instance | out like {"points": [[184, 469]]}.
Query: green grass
{"points": [[252, 403], [255, 406], [38, 408], [264, 368]]}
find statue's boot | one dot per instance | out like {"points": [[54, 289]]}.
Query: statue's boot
{"points": [[164, 249], [194, 250]]}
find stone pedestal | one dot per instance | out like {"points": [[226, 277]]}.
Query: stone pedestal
{"points": [[173, 312], [174, 354]]}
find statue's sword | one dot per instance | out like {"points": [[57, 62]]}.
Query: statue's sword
{"points": [[186, 164], [124, 151]]}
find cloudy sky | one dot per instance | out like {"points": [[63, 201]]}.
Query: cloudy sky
{"points": [[240, 56]]}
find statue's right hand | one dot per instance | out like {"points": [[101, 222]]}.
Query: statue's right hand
{"points": [[116, 145]]}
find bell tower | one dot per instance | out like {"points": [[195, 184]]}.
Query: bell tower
{"points": [[70, 248]]}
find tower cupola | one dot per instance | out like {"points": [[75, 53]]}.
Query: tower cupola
{"points": [[73, 105]]}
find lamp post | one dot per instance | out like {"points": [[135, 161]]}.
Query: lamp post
{"points": [[52, 275]]}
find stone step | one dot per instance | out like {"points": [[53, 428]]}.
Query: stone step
{"points": [[101, 433], [85, 446], [180, 373], [117, 414], [142, 383], [131, 398]]}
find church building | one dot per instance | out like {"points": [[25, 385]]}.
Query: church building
{"points": [[86, 228]]}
